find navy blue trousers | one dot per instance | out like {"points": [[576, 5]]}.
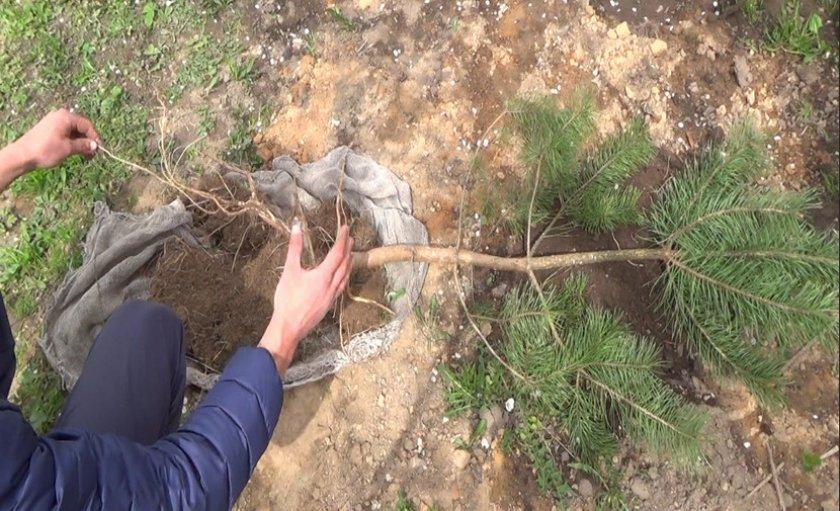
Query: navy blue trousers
{"points": [[134, 377]]}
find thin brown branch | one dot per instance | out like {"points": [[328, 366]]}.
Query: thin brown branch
{"points": [[462, 298], [775, 473]]}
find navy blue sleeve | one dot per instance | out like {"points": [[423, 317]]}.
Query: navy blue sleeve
{"points": [[7, 352], [203, 465]]}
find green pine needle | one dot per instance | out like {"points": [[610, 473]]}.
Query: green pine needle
{"points": [[750, 277], [589, 186], [600, 372], [601, 201]]}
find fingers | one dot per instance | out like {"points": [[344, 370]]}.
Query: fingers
{"points": [[83, 146], [295, 246], [341, 275], [82, 126], [337, 252]]}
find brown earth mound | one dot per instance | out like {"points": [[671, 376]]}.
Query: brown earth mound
{"points": [[223, 290]]}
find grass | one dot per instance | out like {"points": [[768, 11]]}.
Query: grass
{"points": [[810, 461], [428, 318], [337, 15], [752, 9], [797, 34], [830, 178], [110, 60], [39, 392], [405, 503], [240, 149]]}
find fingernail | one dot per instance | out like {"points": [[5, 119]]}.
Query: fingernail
{"points": [[93, 146], [295, 226]]}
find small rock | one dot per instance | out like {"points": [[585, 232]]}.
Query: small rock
{"points": [[658, 46], [788, 500], [809, 74], [742, 71], [640, 489], [751, 97], [636, 92], [492, 418], [460, 459], [480, 455], [485, 328], [585, 488], [356, 455], [408, 445], [622, 30], [499, 291]]}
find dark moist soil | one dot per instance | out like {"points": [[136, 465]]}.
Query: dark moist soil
{"points": [[223, 290]]}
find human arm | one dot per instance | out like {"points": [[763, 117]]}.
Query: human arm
{"points": [[57, 136], [303, 297], [203, 465], [207, 462]]}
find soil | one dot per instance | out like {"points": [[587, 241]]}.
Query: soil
{"points": [[223, 289], [419, 86]]}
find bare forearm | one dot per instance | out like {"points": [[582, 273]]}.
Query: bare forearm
{"points": [[13, 163], [281, 342], [58, 135]]}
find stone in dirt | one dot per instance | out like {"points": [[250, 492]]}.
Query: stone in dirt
{"points": [[585, 488], [640, 488], [808, 73], [742, 71], [493, 418], [658, 46], [460, 459], [622, 30]]}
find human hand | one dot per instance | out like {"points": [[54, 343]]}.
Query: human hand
{"points": [[57, 136], [303, 297]]}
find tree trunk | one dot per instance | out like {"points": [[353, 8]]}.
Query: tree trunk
{"points": [[447, 255]]}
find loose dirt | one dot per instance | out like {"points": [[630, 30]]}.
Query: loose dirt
{"points": [[223, 287]]}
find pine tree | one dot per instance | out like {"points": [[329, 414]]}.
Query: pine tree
{"points": [[745, 279]]}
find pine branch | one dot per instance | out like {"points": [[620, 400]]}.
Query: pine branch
{"points": [[600, 201], [725, 352], [746, 265]]}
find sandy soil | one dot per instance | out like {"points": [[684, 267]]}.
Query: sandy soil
{"points": [[420, 86]]}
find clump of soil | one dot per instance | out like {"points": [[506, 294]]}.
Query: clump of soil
{"points": [[223, 289]]}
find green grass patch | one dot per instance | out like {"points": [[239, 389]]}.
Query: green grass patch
{"points": [[831, 182], [810, 461], [39, 393], [240, 149], [753, 10], [795, 33], [337, 15]]}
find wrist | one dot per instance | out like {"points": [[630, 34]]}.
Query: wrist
{"points": [[280, 341], [14, 161]]}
